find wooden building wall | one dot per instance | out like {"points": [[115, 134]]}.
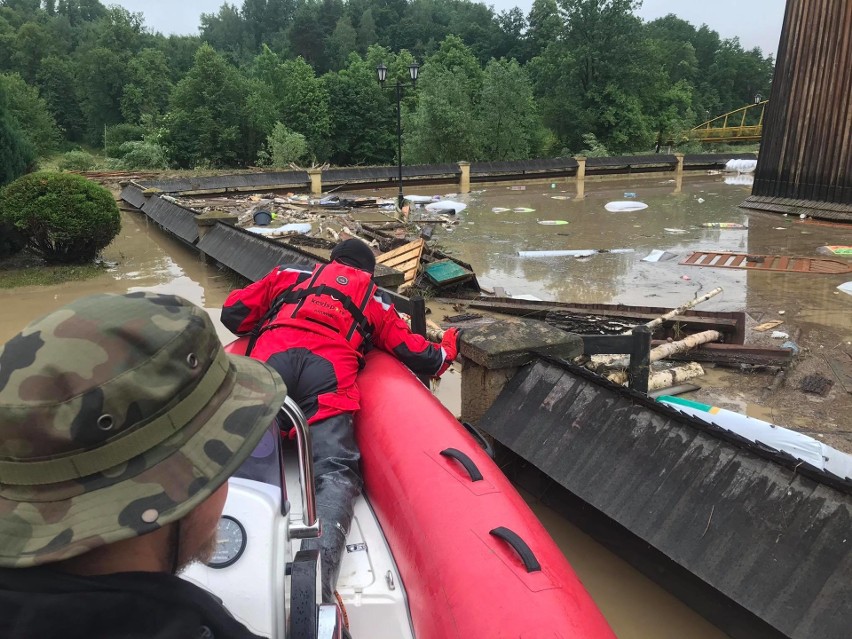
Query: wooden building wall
{"points": [[805, 162]]}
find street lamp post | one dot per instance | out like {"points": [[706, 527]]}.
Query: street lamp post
{"points": [[382, 73]]}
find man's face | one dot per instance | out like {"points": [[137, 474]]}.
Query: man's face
{"points": [[198, 529]]}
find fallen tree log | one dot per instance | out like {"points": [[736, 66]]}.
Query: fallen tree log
{"points": [[664, 350], [663, 379], [680, 309]]}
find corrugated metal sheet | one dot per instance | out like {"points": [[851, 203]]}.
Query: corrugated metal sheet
{"points": [[248, 254], [716, 159], [631, 161], [524, 166], [768, 534], [132, 194], [176, 219], [236, 182]]}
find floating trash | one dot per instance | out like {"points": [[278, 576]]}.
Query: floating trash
{"points": [[518, 187], [700, 200], [741, 179], [572, 252], [657, 255], [630, 194], [419, 199], [552, 222], [835, 250], [286, 229], [523, 209], [446, 206], [500, 209], [625, 207], [675, 231], [846, 287], [722, 225], [560, 197], [741, 166]]}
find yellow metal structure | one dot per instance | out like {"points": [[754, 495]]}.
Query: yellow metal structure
{"points": [[742, 125]]}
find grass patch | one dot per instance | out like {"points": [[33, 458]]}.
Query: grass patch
{"points": [[28, 270]]}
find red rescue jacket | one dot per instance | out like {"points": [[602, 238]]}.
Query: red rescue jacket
{"points": [[335, 312]]}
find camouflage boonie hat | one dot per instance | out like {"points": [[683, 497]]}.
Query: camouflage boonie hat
{"points": [[119, 414]]}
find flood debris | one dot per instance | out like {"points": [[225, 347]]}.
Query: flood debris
{"points": [[571, 252], [659, 255], [722, 225], [816, 384], [760, 328], [625, 207]]}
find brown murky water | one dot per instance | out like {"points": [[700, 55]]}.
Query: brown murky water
{"points": [[147, 259]]}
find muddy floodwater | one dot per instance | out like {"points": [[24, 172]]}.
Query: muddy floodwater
{"points": [[499, 222], [147, 259]]}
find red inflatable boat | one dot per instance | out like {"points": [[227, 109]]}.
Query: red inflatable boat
{"points": [[474, 559]]}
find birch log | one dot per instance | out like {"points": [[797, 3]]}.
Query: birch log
{"points": [[680, 309], [660, 352], [663, 379]]}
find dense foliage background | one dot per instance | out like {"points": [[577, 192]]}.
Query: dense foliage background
{"points": [[273, 81]]}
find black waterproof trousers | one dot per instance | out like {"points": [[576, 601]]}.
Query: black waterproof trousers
{"points": [[337, 466]]}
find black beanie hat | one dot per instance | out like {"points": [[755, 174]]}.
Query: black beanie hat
{"points": [[354, 253]]}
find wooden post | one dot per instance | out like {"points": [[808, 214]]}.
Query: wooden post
{"points": [[679, 167], [581, 177], [418, 325], [640, 359], [464, 181], [316, 181]]}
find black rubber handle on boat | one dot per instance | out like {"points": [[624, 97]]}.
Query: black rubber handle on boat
{"points": [[514, 540], [465, 461]]}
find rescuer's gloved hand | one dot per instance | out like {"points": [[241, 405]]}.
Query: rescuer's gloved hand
{"points": [[451, 343]]}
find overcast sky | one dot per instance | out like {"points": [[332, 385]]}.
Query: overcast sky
{"points": [[757, 23]]}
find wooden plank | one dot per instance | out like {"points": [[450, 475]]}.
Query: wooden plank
{"points": [[415, 246], [815, 265], [733, 354]]}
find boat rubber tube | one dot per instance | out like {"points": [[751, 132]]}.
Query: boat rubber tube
{"points": [[474, 559]]}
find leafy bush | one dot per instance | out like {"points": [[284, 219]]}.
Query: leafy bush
{"points": [[283, 146], [142, 155], [117, 135], [65, 218], [77, 161], [11, 240]]}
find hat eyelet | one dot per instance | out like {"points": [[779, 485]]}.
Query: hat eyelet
{"points": [[192, 360], [106, 422]]}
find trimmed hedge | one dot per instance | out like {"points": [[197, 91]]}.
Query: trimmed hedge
{"points": [[66, 218]]}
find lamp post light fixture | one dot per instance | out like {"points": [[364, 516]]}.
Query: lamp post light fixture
{"points": [[757, 98], [382, 74]]}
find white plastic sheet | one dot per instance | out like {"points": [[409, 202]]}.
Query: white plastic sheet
{"points": [[625, 207], [782, 439], [446, 205], [272, 231], [741, 166]]}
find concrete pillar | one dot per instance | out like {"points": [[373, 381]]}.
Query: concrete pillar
{"points": [[581, 177], [493, 353], [316, 181], [679, 173], [464, 180]]}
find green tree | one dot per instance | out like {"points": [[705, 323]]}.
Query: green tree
{"points": [[510, 127], [283, 147], [444, 127], [360, 116], [225, 31], [367, 35], [16, 153], [209, 121], [31, 113], [65, 218], [58, 87], [342, 42], [145, 95], [100, 84]]}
